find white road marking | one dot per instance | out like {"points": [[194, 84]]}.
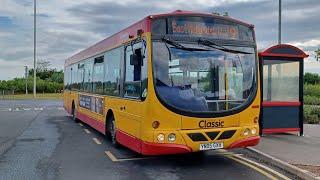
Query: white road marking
{"points": [[60, 108], [80, 124], [38, 109], [97, 141], [17, 109], [59, 120], [87, 131]]}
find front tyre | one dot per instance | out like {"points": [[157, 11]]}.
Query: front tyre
{"points": [[74, 114], [112, 130]]}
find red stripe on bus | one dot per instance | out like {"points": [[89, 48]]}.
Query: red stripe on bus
{"points": [[251, 141], [129, 141], [279, 103], [98, 125], [279, 130], [162, 149]]}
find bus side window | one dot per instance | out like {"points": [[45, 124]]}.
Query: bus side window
{"points": [[135, 75], [98, 75], [88, 66], [112, 72]]}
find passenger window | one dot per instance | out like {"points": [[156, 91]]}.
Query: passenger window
{"points": [[80, 76], [136, 72], [88, 65], [74, 69], [97, 78], [112, 72]]}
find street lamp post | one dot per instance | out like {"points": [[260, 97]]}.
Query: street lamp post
{"points": [[279, 21], [34, 49], [26, 77]]}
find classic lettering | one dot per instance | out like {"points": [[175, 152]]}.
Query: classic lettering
{"points": [[210, 124]]}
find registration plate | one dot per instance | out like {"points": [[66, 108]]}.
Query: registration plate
{"points": [[215, 145]]}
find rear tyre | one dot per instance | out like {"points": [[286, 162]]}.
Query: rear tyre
{"points": [[112, 131]]}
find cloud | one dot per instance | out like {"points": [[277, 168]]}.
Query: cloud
{"points": [[313, 43], [9, 69], [66, 27]]}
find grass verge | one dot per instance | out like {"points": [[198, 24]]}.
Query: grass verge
{"points": [[44, 96]]}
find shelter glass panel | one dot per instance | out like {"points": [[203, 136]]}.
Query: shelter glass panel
{"points": [[281, 80]]}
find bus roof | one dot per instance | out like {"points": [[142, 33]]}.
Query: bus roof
{"points": [[131, 31]]}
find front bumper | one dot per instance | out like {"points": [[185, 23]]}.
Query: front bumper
{"points": [[251, 141], [148, 148]]}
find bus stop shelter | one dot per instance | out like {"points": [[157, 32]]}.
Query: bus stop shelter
{"points": [[281, 68]]}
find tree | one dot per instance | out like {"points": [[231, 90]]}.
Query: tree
{"points": [[317, 54], [49, 80], [44, 72], [311, 78], [43, 65], [57, 77]]}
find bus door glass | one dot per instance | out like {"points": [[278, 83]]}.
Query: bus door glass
{"points": [[134, 88]]}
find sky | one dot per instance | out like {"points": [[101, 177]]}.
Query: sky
{"points": [[66, 26]]}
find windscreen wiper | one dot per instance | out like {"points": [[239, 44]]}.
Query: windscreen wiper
{"points": [[180, 46], [219, 47]]}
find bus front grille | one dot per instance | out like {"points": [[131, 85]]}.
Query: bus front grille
{"points": [[197, 137], [212, 135], [227, 134]]}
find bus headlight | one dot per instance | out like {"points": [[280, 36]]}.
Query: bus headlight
{"points": [[246, 132], [160, 137], [171, 137], [253, 131]]}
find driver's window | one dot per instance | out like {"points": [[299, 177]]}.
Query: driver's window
{"points": [[135, 72]]}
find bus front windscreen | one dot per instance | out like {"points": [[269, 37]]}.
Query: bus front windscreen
{"points": [[201, 79]]}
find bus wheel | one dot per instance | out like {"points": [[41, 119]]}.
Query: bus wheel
{"points": [[112, 130], [74, 114]]}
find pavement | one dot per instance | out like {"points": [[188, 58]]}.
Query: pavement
{"points": [[40, 141], [302, 151]]}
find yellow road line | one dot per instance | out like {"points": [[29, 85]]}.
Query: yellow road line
{"points": [[134, 159], [264, 167], [80, 124], [222, 150], [253, 167], [96, 141], [225, 153], [115, 159], [87, 131], [250, 162]]}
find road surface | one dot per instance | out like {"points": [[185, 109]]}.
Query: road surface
{"points": [[39, 141]]}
